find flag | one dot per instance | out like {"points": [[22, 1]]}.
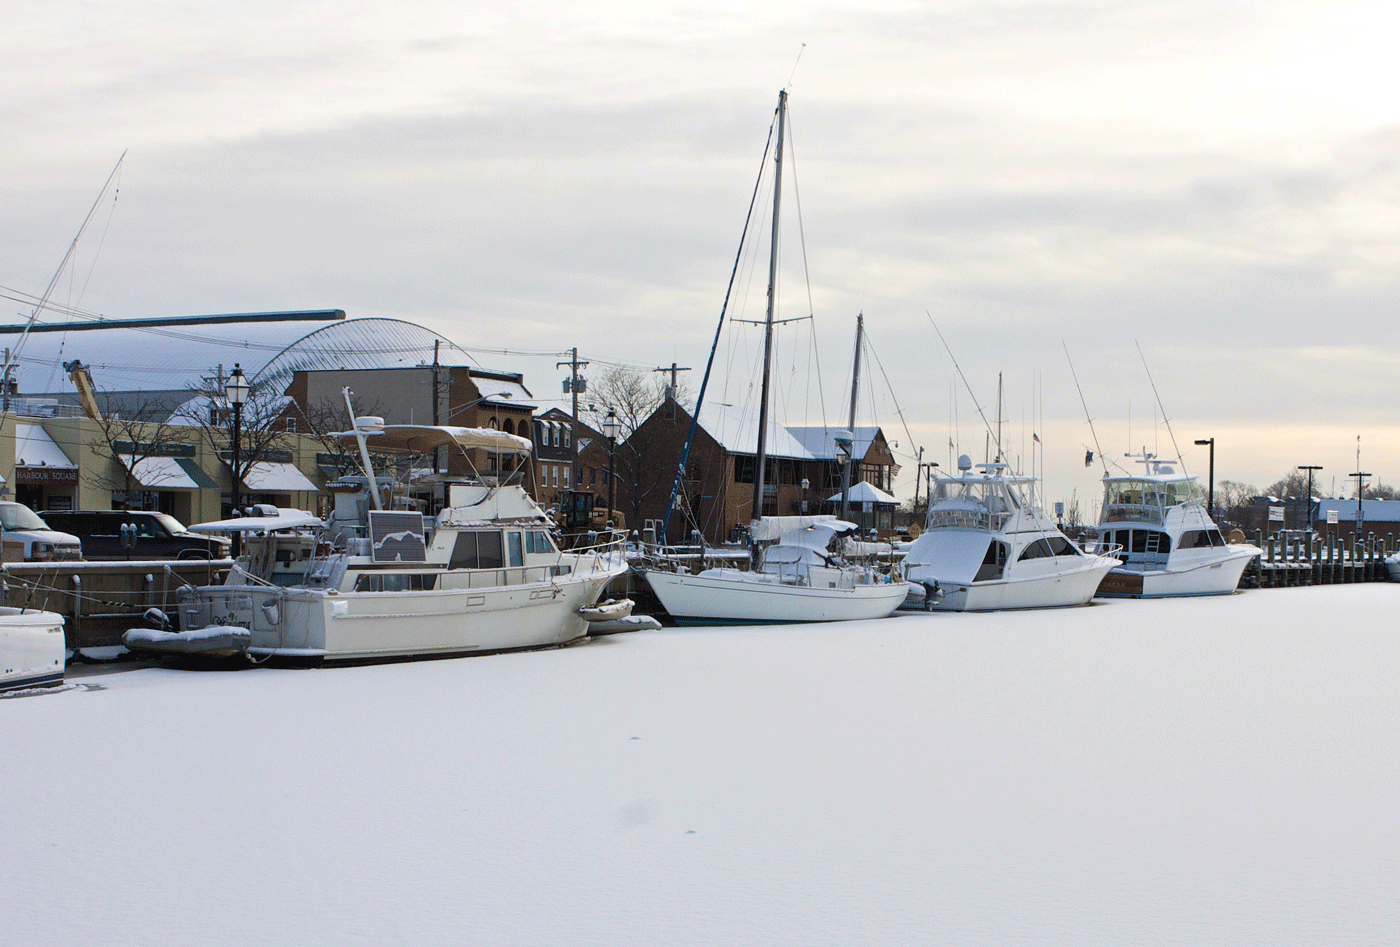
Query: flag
{"points": [[1088, 458], [1035, 437], [894, 471]]}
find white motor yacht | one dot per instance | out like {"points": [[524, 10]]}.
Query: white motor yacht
{"points": [[986, 545], [801, 577], [1169, 545], [375, 584], [31, 648]]}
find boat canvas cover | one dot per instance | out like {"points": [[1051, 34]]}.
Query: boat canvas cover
{"points": [[285, 519], [952, 555], [794, 555], [421, 438], [776, 527]]}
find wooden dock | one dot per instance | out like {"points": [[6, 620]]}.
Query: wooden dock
{"points": [[1302, 558]]}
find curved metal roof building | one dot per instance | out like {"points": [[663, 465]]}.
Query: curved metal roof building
{"points": [[155, 356]]}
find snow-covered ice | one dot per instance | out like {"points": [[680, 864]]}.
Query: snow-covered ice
{"points": [[1209, 771]]}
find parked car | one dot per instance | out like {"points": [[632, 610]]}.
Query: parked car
{"points": [[28, 538], [158, 535]]}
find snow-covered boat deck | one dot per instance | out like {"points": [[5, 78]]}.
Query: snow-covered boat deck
{"points": [[1203, 771]]}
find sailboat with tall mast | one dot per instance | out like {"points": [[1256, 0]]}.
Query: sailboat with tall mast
{"points": [[801, 577]]}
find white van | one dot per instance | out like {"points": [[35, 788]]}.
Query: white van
{"points": [[27, 538]]}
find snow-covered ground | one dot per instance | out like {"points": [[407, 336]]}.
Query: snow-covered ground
{"points": [[1214, 771]]}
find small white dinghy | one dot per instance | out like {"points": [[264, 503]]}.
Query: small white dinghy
{"points": [[31, 648]]}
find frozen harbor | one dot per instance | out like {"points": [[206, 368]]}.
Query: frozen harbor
{"points": [[1219, 771]]}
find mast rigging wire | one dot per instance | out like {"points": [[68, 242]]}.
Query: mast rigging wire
{"points": [[990, 433], [1179, 459], [709, 363]]}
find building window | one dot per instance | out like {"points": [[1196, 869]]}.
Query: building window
{"points": [[556, 425], [566, 477], [592, 476], [568, 437], [744, 468]]}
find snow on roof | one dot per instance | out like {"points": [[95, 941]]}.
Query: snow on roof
{"points": [[864, 492], [34, 448], [736, 430], [505, 392], [1372, 511], [821, 441], [197, 411]]}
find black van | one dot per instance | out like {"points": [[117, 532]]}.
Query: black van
{"points": [[158, 535]]}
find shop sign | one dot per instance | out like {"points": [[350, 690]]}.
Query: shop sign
{"points": [[46, 475]]}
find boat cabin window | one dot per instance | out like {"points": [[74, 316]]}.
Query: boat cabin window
{"points": [[477, 549], [396, 582], [1047, 547], [514, 547], [1201, 539], [537, 540], [993, 563]]}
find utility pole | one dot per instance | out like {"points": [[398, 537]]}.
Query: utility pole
{"points": [[575, 384], [673, 370]]}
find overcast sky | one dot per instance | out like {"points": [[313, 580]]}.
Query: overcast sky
{"points": [[1215, 182]]}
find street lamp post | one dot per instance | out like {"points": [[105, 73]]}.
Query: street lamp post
{"points": [[236, 389], [1312, 517], [610, 429], [1360, 476], [1210, 497]]}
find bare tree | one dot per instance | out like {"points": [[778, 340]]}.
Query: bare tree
{"points": [[262, 425], [142, 432], [1294, 484], [328, 417], [635, 395]]}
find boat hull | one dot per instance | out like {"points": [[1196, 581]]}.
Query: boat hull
{"points": [[331, 626], [704, 600], [1050, 590], [1220, 577], [31, 649]]}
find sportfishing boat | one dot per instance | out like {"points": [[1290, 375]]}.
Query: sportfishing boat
{"points": [[1158, 522], [31, 648], [801, 577], [374, 584], [986, 545]]}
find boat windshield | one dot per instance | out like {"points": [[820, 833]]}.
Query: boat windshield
{"points": [[1145, 501], [973, 504]]}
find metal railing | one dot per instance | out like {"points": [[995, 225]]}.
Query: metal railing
{"points": [[978, 520], [1132, 513]]}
